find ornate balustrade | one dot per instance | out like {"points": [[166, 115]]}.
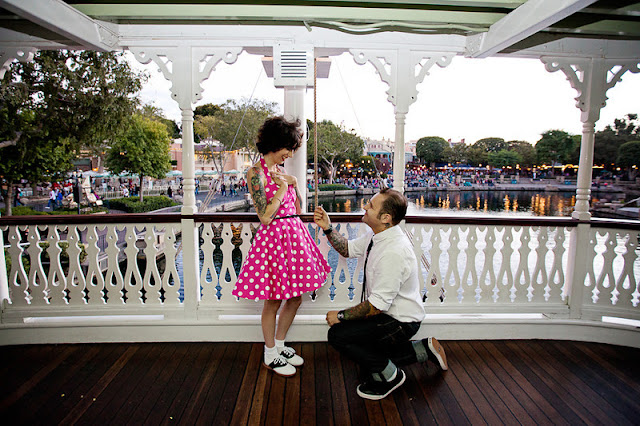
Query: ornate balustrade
{"points": [[132, 278]]}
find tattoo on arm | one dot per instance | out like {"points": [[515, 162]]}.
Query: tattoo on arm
{"points": [[362, 310], [339, 242], [258, 193], [298, 201]]}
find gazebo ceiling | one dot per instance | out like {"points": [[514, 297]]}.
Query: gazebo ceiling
{"points": [[489, 27]]}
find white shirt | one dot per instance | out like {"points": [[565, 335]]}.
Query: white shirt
{"points": [[392, 274]]}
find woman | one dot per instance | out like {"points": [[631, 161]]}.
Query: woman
{"points": [[284, 262]]}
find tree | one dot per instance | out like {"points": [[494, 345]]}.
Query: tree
{"points": [[206, 127], [155, 113], [609, 141], [504, 158], [629, 158], [335, 144], [239, 122], [525, 150], [555, 146], [478, 153], [431, 149], [459, 153], [56, 105], [142, 150], [207, 110]]}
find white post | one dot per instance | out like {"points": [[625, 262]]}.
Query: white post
{"points": [[402, 70], [188, 163], [297, 165], [398, 156], [4, 281], [583, 190], [591, 78]]}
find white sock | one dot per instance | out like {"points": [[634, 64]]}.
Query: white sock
{"points": [[279, 345], [270, 354]]}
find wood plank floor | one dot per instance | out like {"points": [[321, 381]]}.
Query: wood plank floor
{"points": [[489, 382]]}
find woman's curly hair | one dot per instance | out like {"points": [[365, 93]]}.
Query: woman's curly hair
{"points": [[277, 133]]}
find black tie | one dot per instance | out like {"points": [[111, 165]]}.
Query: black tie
{"points": [[364, 279]]}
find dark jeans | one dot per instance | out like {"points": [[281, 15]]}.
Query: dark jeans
{"points": [[373, 341]]}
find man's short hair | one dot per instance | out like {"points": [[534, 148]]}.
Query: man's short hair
{"points": [[395, 204]]}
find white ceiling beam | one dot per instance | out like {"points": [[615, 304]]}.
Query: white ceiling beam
{"points": [[62, 19], [526, 20]]}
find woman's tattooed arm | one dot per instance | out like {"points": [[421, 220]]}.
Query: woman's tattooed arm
{"points": [[361, 310], [266, 210]]}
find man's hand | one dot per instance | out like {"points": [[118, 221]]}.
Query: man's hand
{"points": [[332, 317], [321, 218]]}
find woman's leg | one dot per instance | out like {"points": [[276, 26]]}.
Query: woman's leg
{"points": [[287, 315], [269, 311]]}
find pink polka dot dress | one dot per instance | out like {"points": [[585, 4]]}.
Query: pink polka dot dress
{"points": [[283, 261]]}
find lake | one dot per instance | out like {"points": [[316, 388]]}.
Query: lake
{"points": [[455, 203]]}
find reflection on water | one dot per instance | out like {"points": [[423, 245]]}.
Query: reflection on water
{"points": [[520, 203]]}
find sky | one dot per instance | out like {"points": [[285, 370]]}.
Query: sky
{"points": [[471, 99]]}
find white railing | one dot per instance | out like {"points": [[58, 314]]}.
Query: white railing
{"points": [[134, 278]]}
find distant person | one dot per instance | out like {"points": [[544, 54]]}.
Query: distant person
{"points": [[52, 198], [170, 191], [284, 262]]}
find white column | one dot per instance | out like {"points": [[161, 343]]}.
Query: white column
{"points": [[188, 163], [402, 70], [592, 78], [297, 165], [4, 281], [398, 155], [583, 190]]}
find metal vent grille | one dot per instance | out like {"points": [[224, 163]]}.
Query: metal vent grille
{"points": [[293, 66]]}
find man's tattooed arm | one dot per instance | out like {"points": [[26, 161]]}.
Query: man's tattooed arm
{"points": [[362, 310], [339, 242]]}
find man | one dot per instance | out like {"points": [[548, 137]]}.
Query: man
{"points": [[376, 333]]}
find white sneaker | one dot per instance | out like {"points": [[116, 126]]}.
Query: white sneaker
{"points": [[290, 355], [281, 367]]}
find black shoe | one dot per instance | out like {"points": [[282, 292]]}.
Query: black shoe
{"points": [[377, 390]]}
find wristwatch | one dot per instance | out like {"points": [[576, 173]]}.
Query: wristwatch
{"points": [[328, 230], [340, 315]]}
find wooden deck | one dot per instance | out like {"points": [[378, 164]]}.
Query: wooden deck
{"points": [[489, 382]]}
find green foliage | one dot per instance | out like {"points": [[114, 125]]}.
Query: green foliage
{"points": [[22, 211], [335, 145], [142, 150], [333, 187], [459, 153], [64, 255], [133, 205], [504, 158], [60, 103], [155, 113], [207, 110], [609, 141], [555, 146], [28, 211], [629, 154], [432, 149], [526, 151], [239, 122]]}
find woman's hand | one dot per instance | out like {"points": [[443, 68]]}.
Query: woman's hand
{"points": [[288, 179]]}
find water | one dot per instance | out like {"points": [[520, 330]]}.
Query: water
{"points": [[456, 203]]}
